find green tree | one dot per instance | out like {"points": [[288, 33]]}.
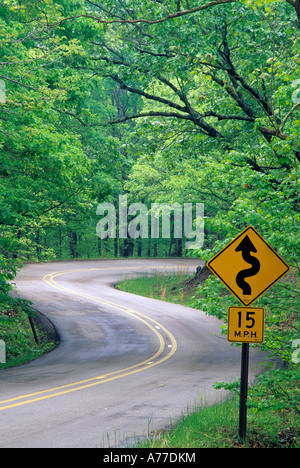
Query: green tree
{"points": [[42, 165]]}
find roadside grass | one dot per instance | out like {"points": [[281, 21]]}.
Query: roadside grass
{"points": [[216, 427], [213, 426], [20, 343], [170, 288]]}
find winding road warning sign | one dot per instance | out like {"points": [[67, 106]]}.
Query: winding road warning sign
{"points": [[248, 266]]}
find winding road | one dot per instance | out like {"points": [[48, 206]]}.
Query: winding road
{"points": [[126, 365]]}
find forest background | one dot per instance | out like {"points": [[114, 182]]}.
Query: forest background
{"points": [[165, 101]]}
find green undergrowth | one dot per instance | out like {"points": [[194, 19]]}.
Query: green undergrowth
{"points": [[22, 342], [216, 427]]}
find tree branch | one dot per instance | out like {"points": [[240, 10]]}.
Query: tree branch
{"points": [[287, 116], [296, 5], [236, 78], [151, 114], [161, 20], [71, 114], [18, 82], [152, 97], [191, 114], [291, 2], [145, 71], [228, 117], [236, 96]]}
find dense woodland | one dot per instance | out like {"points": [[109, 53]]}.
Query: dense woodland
{"points": [[166, 101]]}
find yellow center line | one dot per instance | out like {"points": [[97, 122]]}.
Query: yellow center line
{"points": [[108, 377]]}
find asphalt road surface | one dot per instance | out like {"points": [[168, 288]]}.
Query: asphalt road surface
{"points": [[126, 365]]}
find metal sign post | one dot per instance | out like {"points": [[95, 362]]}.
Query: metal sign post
{"points": [[243, 391]]}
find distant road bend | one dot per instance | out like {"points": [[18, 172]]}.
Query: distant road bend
{"points": [[126, 364]]}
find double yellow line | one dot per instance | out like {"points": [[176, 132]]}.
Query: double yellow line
{"points": [[164, 352]]}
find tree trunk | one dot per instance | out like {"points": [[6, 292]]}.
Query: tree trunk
{"points": [[73, 244], [297, 8]]}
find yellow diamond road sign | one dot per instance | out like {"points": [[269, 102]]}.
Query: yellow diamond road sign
{"points": [[248, 266]]}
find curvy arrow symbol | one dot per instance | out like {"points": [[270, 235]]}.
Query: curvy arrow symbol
{"points": [[246, 247]]}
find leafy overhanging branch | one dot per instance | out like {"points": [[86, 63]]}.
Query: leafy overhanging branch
{"points": [[170, 16], [191, 114], [253, 103]]}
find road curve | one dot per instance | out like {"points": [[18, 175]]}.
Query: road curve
{"points": [[126, 365]]}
